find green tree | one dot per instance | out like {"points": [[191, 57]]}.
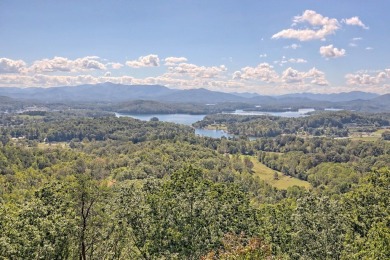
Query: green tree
{"points": [[185, 216], [42, 228], [368, 212], [318, 229]]}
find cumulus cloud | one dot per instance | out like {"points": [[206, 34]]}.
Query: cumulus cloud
{"points": [[261, 78], [327, 26], [316, 77], [263, 72], [313, 76], [44, 80], [11, 66], [366, 78], [115, 65], [292, 76], [171, 61], [151, 60], [237, 75], [264, 55], [195, 71], [67, 65], [291, 60], [355, 21], [331, 52]]}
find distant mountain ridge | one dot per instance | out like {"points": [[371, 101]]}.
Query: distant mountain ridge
{"points": [[334, 97], [119, 92], [109, 92], [99, 92], [201, 95]]}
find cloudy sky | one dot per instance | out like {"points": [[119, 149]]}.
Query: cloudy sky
{"points": [[268, 47]]}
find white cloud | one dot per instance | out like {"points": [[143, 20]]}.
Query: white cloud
{"points": [[264, 55], [355, 21], [331, 52], [352, 44], [369, 48], [365, 78], [297, 60], [317, 77], [237, 75], [292, 60], [11, 66], [89, 62], [292, 76], [263, 72], [67, 65], [293, 46], [261, 79], [327, 26], [171, 61], [115, 65], [313, 76], [51, 65], [44, 80], [151, 60], [195, 71]]}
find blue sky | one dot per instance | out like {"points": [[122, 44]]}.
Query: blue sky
{"points": [[268, 47]]}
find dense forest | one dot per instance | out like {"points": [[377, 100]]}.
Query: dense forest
{"points": [[85, 184]]}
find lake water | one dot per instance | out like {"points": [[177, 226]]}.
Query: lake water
{"points": [[186, 119], [299, 113], [212, 133]]}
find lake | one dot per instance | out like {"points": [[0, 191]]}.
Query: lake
{"points": [[187, 119], [184, 119], [301, 112]]}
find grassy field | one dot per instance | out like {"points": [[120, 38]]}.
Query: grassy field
{"points": [[31, 117], [267, 174], [52, 145], [369, 137]]}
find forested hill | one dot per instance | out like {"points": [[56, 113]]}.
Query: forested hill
{"points": [[76, 184]]}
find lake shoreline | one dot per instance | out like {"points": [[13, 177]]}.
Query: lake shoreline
{"points": [[213, 132]]}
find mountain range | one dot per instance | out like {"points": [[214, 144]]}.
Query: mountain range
{"points": [[109, 92]]}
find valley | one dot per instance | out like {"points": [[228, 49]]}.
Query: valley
{"points": [[260, 176]]}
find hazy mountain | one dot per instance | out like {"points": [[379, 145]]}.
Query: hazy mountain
{"points": [[245, 94], [334, 97], [383, 100], [200, 95], [99, 92], [4, 99], [109, 92]]}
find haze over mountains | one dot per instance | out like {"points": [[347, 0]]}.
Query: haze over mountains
{"points": [[109, 92]]}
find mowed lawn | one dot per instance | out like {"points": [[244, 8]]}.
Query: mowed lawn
{"points": [[267, 174]]}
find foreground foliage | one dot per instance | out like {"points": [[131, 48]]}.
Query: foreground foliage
{"points": [[126, 189]]}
